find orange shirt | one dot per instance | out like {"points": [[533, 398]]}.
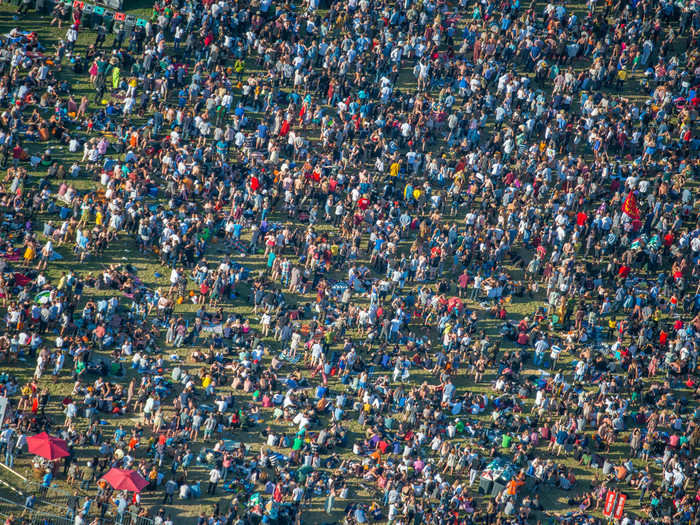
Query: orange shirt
{"points": [[513, 485]]}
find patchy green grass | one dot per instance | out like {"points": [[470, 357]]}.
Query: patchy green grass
{"points": [[124, 250]]}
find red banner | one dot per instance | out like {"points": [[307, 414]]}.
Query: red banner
{"points": [[629, 206], [609, 503], [620, 506]]}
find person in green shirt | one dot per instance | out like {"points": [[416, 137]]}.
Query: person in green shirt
{"points": [[238, 67], [298, 443], [506, 441], [115, 78]]}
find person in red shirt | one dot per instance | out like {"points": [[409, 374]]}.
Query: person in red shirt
{"points": [[663, 337], [17, 152], [98, 335], [203, 290], [284, 129]]}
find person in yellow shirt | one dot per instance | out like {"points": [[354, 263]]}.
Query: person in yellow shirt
{"points": [[394, 169], [153, 478], [621, 77], [447, 329], [133, 83], [238, 67], [29, 254], [26, 392]]}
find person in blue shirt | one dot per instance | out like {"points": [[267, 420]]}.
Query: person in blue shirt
{"points": [[360, 515], [86, 506], [221, 148], [46, 482], [261, 136], [182, 98], [119, 434], [378, 244], [271, 260], [534, 55]]}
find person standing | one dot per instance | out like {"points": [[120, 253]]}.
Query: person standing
{"points": [[72, 505], [170, 488], [20, 443], [476, 289], [330, 501], [43, 400], [58, 365], [45, 483], [24, 7], [214, 477], [101, 36], [6, 437], [10, 453], [87, 476], [71, 37]]}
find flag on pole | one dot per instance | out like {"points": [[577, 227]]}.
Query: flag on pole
{"points": [[609, 507], [629, 207], [620, 506], [43, 297]]}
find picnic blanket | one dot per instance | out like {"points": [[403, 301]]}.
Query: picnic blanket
{"points": [[21, 279], [213, 328]]}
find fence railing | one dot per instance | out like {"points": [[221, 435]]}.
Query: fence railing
{"points": [[131, 518], [39, 516], [52, 496], [57, 501], [29, 515], [52, 504]]}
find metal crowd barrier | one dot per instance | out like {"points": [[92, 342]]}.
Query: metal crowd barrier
{"points": [[57, 499]]}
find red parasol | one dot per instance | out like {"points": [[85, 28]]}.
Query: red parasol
{"points": [[121, 479], [47, 447]]}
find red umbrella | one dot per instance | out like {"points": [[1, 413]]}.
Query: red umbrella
{"points": [[47, 447], [121, 479]]}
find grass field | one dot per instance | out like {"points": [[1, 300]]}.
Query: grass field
{"points": [[124, 250]]}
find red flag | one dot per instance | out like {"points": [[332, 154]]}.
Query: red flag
{"points": [[630, 207], [277, 494], [620, 506], [285, 128], [609, 503]]}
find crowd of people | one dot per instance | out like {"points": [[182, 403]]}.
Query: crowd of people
{"points": [[417, 262]]}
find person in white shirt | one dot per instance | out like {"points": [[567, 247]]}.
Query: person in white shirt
{"points": [[214, 477], [302, 420], [554, 354], [60, 359]]}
